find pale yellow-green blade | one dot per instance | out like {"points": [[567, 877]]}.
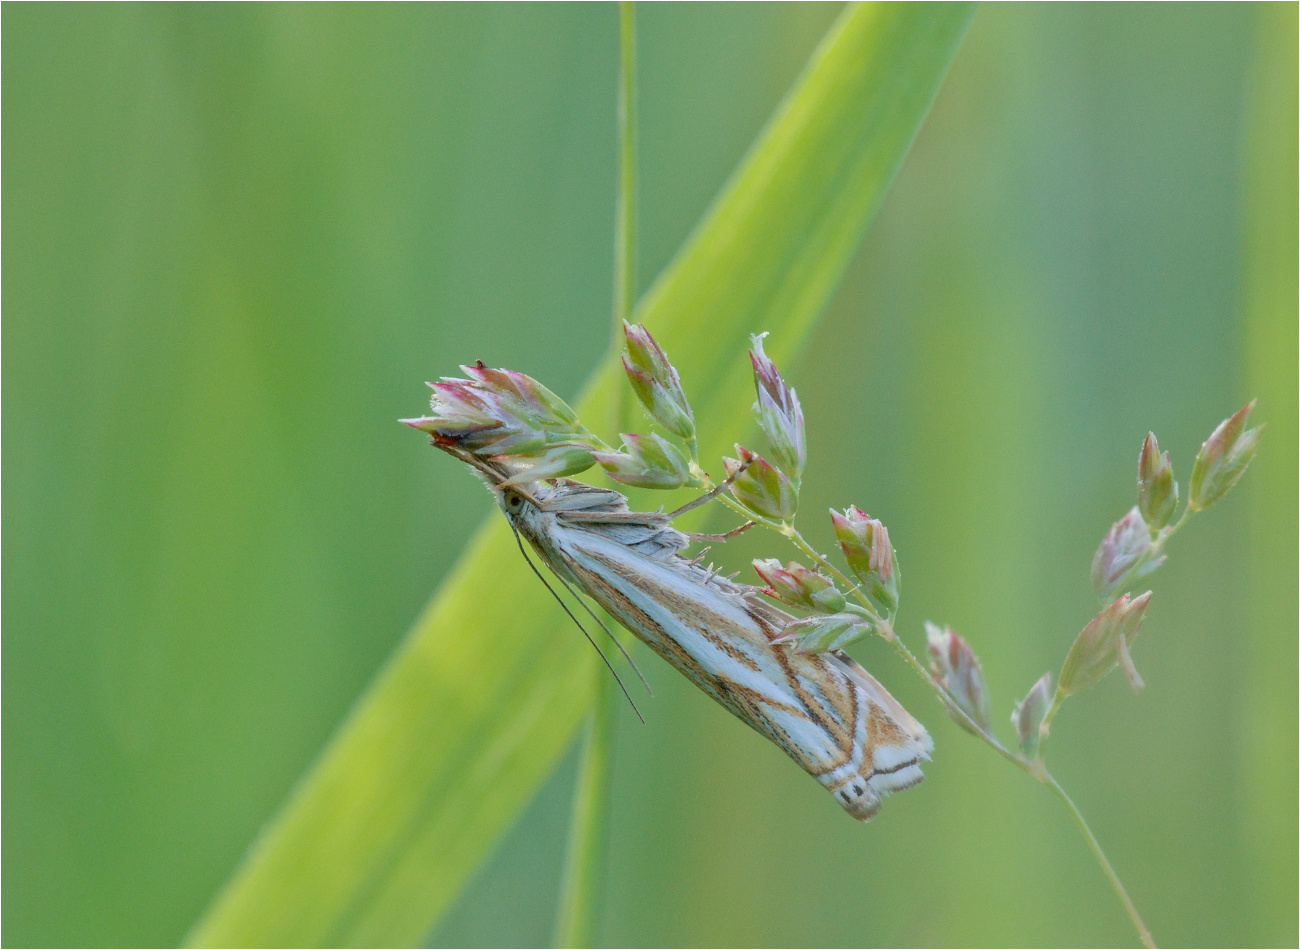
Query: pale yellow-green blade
{"points": [[1267, 777], [471, 713]]}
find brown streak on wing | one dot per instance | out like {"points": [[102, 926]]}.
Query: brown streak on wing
{"points": [[834, 713], [883, 731], [621, 606], [650, 519], [703, 624], [833, 727], [839, 727], [742, 701], [769, 618]]}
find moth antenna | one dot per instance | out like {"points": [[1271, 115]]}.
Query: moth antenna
{"points": [[713, 493], [594, 646], [587, 607]]}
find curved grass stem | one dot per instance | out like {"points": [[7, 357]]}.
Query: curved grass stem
{"points": [[1033, 767], [1047, 779]]}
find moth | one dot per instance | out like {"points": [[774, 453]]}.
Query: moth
{"points": [[823, 709]]}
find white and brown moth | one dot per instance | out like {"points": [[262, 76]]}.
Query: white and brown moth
{"points": [[828, 713], [810, 698]]}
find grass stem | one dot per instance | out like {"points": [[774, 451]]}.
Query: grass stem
{"points": [[1145, 935], [625, 216], [585, 857]]}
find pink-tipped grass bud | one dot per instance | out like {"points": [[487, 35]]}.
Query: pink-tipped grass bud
{"points": [[955, 665], [655, 381], [822, 633], [762, 489], [1028, 715], [1157, 490], [497, 412], [1126, 553], [1104, 644], [477, 421], [1222, 459], [871, 557], [526, 397], [647, 461], [779, 414], [798, 586]]}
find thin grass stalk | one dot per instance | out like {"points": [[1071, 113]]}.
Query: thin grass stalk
{"points": [[625, 216], [1095, 846], [580, 890], [1034, 767]]}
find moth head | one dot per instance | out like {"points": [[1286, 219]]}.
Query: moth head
{"points": [[512, 501]]}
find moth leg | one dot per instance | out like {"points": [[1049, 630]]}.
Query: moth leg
{"points": [[720, 538], [714, 493]]}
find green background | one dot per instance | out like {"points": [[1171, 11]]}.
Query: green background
{"points": [[237, 240]]}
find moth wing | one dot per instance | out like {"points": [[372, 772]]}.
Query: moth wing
{"points": [[881, 696], [568, 495], [646, 533], [824, 710]]}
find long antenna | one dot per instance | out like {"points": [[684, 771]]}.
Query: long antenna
{"points": [[621, 649], [594, 646]]}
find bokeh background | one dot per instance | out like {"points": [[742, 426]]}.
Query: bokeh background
{"points": [[237, 240]]}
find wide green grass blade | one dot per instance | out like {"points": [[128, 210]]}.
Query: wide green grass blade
{"points": [[471, 713]]}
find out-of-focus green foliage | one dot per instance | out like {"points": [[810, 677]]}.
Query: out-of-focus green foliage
{"points": [[237, 238]]}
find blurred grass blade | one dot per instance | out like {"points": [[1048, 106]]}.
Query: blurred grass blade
{"points": [[472, 712], [1267, 782]]}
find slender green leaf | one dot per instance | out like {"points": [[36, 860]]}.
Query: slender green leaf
{"points": [[1267, 722], [471, 713]]}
